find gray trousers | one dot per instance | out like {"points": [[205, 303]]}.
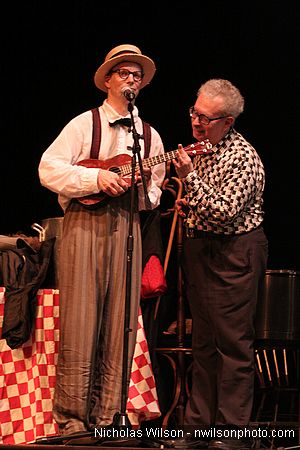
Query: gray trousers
{"points": [[224, 277], [92, 284]]}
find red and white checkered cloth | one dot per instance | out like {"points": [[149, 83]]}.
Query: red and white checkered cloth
{"points": [[27, 377]]}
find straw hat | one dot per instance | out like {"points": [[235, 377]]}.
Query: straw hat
{"points": [[128, 53]]}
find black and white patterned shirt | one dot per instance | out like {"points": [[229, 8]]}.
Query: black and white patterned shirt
{"points": [[224, 191]]}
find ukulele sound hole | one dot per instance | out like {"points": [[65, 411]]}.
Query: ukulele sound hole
{"points": [[115, 170]]}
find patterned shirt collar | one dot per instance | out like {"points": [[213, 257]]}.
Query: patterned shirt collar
{"points": [[226, 141]]}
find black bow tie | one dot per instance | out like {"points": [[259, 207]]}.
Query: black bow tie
{"points": [[126, 122]]}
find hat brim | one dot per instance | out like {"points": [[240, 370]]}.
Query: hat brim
{"points": [[146, 63]]}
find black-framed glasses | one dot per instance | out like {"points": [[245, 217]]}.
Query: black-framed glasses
{"points": [[201, 117], [124, 74]]}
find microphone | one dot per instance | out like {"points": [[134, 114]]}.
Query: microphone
{"points": [[128, 94]]}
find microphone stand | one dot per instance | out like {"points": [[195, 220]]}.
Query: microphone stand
{"points": [[121, 420]]}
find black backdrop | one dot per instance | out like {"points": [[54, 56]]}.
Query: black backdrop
{"points": [[51, 49]]}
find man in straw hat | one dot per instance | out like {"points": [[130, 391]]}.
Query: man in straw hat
{"points": [[93, 257]]}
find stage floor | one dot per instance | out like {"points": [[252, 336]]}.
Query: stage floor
{"points": [[84, 444]]}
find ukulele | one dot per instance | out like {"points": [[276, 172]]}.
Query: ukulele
{"points": [[121, 165]]}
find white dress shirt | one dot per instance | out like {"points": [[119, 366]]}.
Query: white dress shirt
{"points": [[58, 170]]}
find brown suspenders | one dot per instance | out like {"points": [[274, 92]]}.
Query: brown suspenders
{"points": [[96, 139]]}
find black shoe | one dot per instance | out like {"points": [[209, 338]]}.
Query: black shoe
{"points": [[188, 441], [80, 438], [231, 444], [75, 438]]}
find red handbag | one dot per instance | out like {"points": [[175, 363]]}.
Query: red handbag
{"points": [[153, 279]]}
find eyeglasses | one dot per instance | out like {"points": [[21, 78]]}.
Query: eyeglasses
{"points": [[204, 120], [124, 74]]}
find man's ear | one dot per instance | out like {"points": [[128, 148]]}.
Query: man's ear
{"points": [[107, 78], [229, 122]]}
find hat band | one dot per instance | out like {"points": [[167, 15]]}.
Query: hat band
{"points": [[123, 51]]}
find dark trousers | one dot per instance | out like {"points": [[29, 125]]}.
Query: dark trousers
{"points": [[223, 280]]}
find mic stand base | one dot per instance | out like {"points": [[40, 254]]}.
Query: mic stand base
{"points": [[114, 435], [120, 433], [123, 435]]}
